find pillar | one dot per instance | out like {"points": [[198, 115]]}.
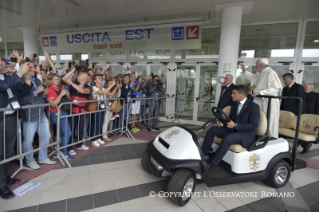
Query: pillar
{"points": [[30, 41], [229, 44]]}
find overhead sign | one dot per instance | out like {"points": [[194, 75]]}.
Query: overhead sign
{"points": [[142, 38]]}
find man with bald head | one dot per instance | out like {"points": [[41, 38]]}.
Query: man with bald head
{"points": [[225, 96], [266, 82]]}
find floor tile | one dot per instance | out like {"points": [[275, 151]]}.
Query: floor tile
{"points": [[52, 206], [113, 208], [157, 203], [98, 167], [146, 188], [29, 199], [190, 207], [210, 204], [229, 202], [113, 158], [139, 154], [96, 154], [108, 148], [134, 205], [123, 146], [102, 185], [5, 204], [137, 149], [105, 198], [96, 160], [124, 151], [85, 188], [275, 202], [128, 193], [307, 196], [110, 152], [122, 182], [59, 173], [79, 179], [52, 195], [80, 204], [117, 164], [42, 177], [313, 208], [57, 182], [261, 206], [83, 162], [26, 209], [246, 196], [199, 193], [313, 187], [79, 170], [128, 156], [133, 145], [100, 175], [231, 187], [172, 209], [244, 208]]}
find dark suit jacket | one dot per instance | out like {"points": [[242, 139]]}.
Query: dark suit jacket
{"points": [[247, 121], [292, 104], [8, 82], [312, 103], [225, 99]]}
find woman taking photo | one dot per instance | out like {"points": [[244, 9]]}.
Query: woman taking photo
{"points": [[54, 96]]}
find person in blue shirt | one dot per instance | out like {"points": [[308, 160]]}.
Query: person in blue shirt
{"points": [[136, 103]]}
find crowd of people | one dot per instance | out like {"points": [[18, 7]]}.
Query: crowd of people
{"points": [[25, 82]]}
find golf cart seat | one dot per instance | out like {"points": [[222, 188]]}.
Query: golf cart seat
{"points": [[260, 131], [309, 126]]}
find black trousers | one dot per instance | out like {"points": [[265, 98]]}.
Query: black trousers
{"points": [[8, 138], [229, 137]]}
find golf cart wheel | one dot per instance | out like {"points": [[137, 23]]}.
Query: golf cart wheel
{"points": [[145, 160], [181, 186], [280, 175]]}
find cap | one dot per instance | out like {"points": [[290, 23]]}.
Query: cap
{"points": [[264, 61]]}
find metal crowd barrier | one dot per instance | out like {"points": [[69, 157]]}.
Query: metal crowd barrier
{"points": [[149, 111], [81, 135], [19, 154]]}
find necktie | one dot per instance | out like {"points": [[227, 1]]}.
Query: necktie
{"points": [[239, 106], [224, 91]]}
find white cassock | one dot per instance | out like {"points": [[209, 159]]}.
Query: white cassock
{"points": [[267, 83]]}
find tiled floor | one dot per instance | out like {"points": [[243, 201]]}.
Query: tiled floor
{"points": [[112, 179]]}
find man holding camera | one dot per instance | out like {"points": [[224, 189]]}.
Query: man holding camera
{"points": [[155, 90], [8, 121]]}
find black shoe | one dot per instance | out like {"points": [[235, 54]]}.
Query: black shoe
{"points": [[156, 128], [11, 181], [6, 193], [148, 129], [306, 150]]}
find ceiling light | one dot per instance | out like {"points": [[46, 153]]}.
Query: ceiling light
{"points": [[316, 41], [10, 10]]}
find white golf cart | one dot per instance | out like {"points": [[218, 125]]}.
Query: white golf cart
{"points": [[176, 152]]}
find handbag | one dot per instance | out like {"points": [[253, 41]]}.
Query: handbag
{"points": [[116, 104], [92, 106], [64, 99]]}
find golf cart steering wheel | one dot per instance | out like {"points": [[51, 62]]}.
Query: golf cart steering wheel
{"points": [[220, 115]]}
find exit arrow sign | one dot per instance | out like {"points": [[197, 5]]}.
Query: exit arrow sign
{"points": [[192, 32]]}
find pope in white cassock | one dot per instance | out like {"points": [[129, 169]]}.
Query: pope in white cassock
{"points": [[266, 82]]}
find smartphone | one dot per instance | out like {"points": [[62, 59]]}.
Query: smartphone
{"points": [[35, 55], [50, 69], [70, 64], [87, 62], [14, 59], [27, 59]]}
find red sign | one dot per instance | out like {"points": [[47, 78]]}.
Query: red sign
{"points": [[192, 32], [45, 41]]}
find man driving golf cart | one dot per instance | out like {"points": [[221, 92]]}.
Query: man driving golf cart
{"points": [[244, 117]]}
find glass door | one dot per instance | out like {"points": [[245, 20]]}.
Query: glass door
{"points": [[310, 75], [185, 90], [205, 98]]}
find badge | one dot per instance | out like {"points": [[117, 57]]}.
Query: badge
{"points": [[102, 106], [14, 103]]}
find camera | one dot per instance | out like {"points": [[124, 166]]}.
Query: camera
{"points": [[14, 59], [159, 82], [70, 64], [27, 59], [35, 55]]}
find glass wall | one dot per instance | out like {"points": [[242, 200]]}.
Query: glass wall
{"points": [[156, 54], [15, 46], [2, 50], [74, 56], [209, 49], [268, 40], [311, 75], [311, 44]]}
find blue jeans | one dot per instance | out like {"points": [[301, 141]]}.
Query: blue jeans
{"points": [[97, 120], [65, 130], [29, 130]]}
